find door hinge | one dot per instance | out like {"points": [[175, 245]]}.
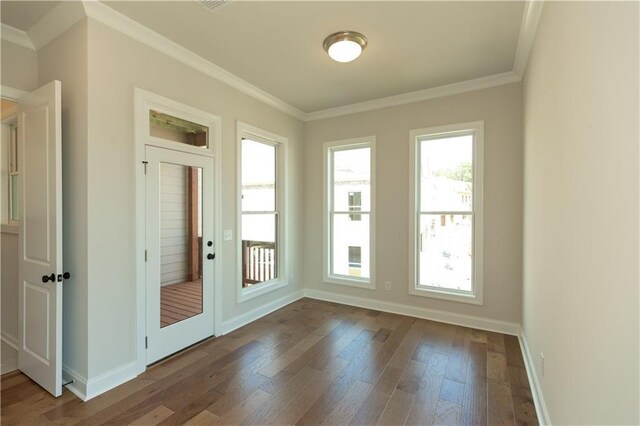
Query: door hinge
{"points": [[146, 342], [145, 255], [145, 166]]}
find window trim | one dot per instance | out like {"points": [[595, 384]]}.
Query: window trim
{"points": [[477, 129], [247, 131], [328, 277]]}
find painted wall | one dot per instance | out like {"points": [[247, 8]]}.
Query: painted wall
{"points": [[65, 59], [18, 70], [8, 249], [117, 64], [19, 66], [581, 211], [9, 253], [501, 110]]}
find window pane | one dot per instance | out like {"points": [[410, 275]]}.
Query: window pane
{"points": [[180, 243], [446, 174], [259, 250], [15, 205], [258, 176], [445, 251], [352, 175], [175, 129], [350, 246]]}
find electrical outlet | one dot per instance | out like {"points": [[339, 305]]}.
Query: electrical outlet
{"points": [[387, 285], [228, 235], [542, 364]]}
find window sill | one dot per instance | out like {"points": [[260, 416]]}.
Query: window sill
{"points": [[246, 294], [473, 299], [10, 229], [367, 285]]}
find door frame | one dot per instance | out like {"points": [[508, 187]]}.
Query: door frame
{"points": [[143, 102]]}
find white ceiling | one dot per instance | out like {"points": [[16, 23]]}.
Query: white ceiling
{"points": [[23, 14], [277, 46]]}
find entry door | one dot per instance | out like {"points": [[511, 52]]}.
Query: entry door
{"points": [[180, 250], [40, 241]]}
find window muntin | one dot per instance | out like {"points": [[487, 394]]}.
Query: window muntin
{"points": [[448, 206], [349, 234], [260, 216]]}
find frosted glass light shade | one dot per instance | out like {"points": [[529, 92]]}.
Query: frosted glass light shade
{"points": [[344, 46], [344, 51]]}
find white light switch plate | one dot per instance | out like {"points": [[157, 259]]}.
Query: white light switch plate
{"points": [[228, 235]]}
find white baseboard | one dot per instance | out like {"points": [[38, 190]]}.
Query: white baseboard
{"points": [[79, 385], [413, 311], [86, 389], [111, 379], [236, 322], [9, 340], [536, 389]]}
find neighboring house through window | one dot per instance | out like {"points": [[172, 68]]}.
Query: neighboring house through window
{"points": [[349, 211]]}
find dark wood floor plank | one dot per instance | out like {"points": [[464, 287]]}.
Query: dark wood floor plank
{"points": [[457, 364], [397, 410], [474, 404], [424, 407], [500, 405], [311, 362], [513, 352]]}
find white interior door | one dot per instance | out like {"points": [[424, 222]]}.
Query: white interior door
{"points": [[180, 250], [40, 242]]}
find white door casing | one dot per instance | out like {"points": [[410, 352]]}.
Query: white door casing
{"points": [[40, 240], [164, 341]]}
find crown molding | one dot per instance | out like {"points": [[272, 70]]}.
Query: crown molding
{"points": [[55, 22], [16, 36], [11, 93], [66, 14], [530, 19], [119, 22], [420, 95]]}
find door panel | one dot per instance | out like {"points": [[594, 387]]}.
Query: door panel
{"points": [[40, 240], [179, 243]]}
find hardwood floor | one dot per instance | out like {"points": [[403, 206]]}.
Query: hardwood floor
{"points": [[310, 362], [180, 301]]}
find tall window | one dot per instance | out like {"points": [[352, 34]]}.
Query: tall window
{"points": [[14, 205], [447, 212], [348, 204], [261, 202], [10, 175]]}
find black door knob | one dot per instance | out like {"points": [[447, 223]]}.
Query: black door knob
{"points": [[66, 275], [47, 278], [209, 243], [211, 256]]}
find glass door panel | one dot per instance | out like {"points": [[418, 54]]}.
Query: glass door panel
{"points": [[180, 242]]}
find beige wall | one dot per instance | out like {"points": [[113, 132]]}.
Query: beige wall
{"points": [[9, 265], [117, 64], [501, 109], [18, 70], [581, 211], [65, 59], [19, 66]]}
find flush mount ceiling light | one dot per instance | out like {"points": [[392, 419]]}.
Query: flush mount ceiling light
{"points": [[344, 46]]}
